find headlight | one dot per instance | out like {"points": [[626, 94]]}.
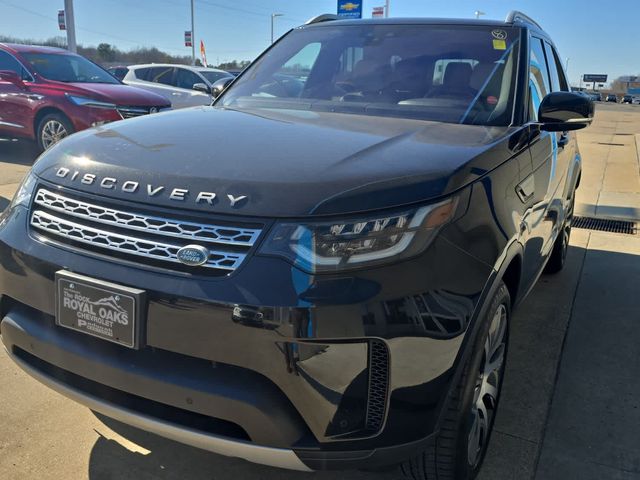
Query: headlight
{"points": [[24, 192], [90, 102], [330, 246]]}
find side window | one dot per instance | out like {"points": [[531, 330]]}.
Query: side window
{"points": [[186, 78], [142, 73], [162, 75], [8, 62], [553, 68], [538, 77], [564, 85], [350, 56]]}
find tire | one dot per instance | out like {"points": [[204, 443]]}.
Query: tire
{"points": [[51, 129], [561, 246], [458, 451]]}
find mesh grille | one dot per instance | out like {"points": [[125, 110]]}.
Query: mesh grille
{"points": [[603, 225], [144, 238], [378, 385]]}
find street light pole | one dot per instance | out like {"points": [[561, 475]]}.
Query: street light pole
{"points": [[478, 13], [193, 38], [273, 17], [71, 26], [386, 8]]}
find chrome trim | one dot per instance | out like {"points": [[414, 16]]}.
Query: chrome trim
{"points": [[124, 243], [132, 112], [9, 124], [245, 237], [274, 457]]}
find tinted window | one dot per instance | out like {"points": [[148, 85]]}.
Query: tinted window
{"points": [[538, 77], [162, 75], [564, 85], [68, 68], [7, 62], [388, 70], [186, 78]]}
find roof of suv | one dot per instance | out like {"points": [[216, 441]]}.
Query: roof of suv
{"points": [[19, 48]]}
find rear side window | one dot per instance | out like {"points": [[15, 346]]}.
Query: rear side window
{"points": [[564, 85], [538, 77], [142, 73], [162, 75]]}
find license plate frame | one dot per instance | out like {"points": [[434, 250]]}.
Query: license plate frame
{"points": [[99, 309]]}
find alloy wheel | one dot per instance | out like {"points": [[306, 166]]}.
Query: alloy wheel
{"points": [[52, 132], [487, 388]]}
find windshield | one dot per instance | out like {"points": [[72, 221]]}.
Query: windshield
{"points": [[68, 68], [449, 73], [213, 77]]}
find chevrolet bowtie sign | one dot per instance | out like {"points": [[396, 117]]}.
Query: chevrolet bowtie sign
{"points": [[350, 8]]}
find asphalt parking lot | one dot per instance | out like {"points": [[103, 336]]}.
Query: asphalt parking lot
{"points": [[571, 400]]}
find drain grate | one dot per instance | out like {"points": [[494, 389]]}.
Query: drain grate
{"points": [[603, 225]]}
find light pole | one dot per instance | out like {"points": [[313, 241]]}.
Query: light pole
{"points": [[273, 17], [478, 13], [386, 8], [71, 26], [193, 38]]}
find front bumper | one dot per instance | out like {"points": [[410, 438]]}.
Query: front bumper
{"points": [[297, 378]]}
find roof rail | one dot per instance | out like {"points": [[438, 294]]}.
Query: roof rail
{"points": [[325, 17], [515, 15]]}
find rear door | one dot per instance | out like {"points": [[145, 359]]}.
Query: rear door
{"points": [[16, 115]]}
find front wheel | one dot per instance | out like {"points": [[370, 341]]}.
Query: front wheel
{"points": [[459, 449], [53, 128]]}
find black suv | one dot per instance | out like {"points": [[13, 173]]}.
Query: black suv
{"points": [[318, 271]]}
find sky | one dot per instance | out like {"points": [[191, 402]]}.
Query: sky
{"points": [[592, 37]]}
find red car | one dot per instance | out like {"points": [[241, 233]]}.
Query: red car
{"points": [[48, 93]]}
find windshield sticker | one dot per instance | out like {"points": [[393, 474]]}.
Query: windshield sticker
{"points": [[499, 34], [499, 44]]}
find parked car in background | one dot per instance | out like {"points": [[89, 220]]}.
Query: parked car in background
{"points": [[636, 100], [627, 99], [118, 72], [596, 96], [48, 93], [612, 98], [183, 85]]}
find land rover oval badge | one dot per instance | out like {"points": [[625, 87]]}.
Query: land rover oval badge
{"points": [[193, 255]]}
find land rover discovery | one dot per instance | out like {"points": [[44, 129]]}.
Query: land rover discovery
{"points": [[319, 270]]}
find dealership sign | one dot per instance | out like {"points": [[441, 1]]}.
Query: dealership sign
{"points": [[378, 12], [188, 41], [594, 77], [350, 8]]}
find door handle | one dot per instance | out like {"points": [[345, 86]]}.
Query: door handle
{"points": [[526, 189], [563, 140]]}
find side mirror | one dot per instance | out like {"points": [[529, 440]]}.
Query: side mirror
{"points": [[564, 111], [218, 87], [201, 87], [11, 77]]}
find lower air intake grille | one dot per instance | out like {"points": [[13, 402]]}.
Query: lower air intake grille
{"points": [[614, 226], [378, 385]]}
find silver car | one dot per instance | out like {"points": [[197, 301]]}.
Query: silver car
{"points": [[183, 85]]}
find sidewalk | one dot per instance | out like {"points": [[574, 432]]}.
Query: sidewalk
{"points": [[593, 427]]}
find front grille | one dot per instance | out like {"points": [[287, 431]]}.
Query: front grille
{"points": [[78, 223], [378, 385], [130, 112]]}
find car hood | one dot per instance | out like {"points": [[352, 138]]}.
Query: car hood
{"points": [[120, 94], [282, 163]]}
